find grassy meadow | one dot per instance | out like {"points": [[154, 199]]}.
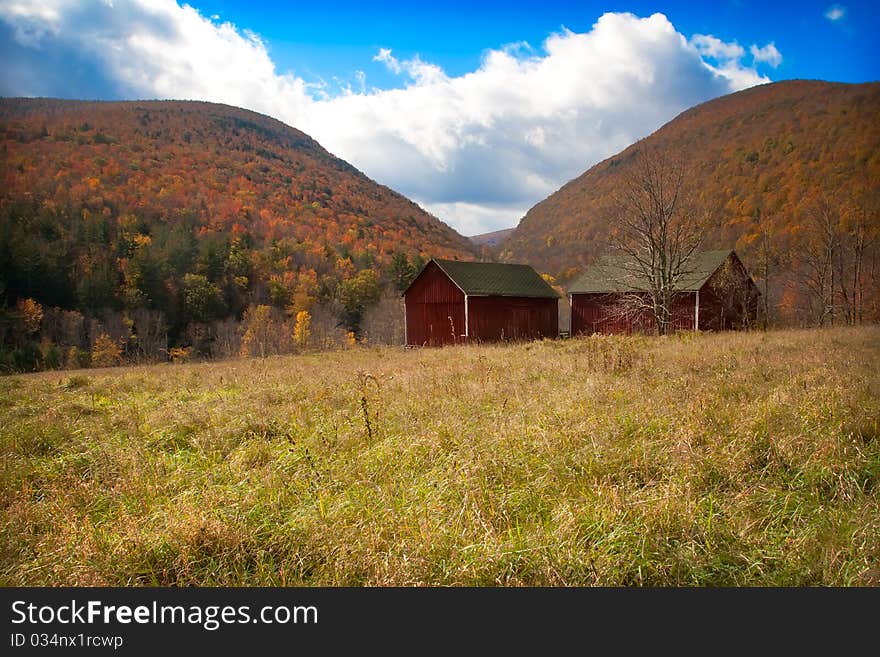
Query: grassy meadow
{"points": [[714, 459]]}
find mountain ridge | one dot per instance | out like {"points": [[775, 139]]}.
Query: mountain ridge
{"points": [[739, 147], [491, 239], [263, 138]]}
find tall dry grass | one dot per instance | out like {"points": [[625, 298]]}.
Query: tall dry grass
{"points": [[728, 459]]}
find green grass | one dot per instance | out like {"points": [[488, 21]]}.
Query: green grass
{"points": [[728, 459]]}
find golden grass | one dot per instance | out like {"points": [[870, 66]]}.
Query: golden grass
{"points": [[728, 459]]}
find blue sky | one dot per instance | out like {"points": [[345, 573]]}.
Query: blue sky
{"points": [[476, 111], [339, 38]]}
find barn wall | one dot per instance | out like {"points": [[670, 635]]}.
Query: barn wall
{"points": [[513, 318], [729, 299], [683, 311], [596, 313], [434, 309], [711, 312], [592, 313]]}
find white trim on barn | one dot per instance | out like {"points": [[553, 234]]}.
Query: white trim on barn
{"points": [[697, 312]]}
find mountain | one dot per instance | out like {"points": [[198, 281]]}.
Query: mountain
{"points": [[180, 216], [224, 168], [760, 160], [492, 239]]}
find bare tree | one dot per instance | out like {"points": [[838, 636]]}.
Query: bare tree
{"points": [[382, 323], [820, 251], [630, 311], [73, 329], [264, 333], [112, 324], [227, 342], [767, 262], [151, 331], [858, 249], [65, 328], [770, 262], [659, 230]]}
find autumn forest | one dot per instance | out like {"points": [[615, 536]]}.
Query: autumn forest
{"points": [[145, 231], [161, 230], [785, 173]]}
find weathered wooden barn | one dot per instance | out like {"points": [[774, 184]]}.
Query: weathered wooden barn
{"points": [[451, 302], [715, 293]]}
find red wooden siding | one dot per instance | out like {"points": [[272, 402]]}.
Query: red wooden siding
{"points": [[728, 299], [512, 318], [595, 313], [435, 313], [434, 309]]}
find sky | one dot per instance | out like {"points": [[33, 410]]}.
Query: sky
{"points": [[476, 111]]}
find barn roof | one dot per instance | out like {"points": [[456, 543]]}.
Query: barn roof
{"points": [[616, 274], [495, 279]]}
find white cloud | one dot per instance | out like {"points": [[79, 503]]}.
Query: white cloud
{"points": [[415, 68], [710, 46], [769, 54], [384, 55], [31, 24], [472, 218], [159, 49], [476, 149], [728, 58], [835, 12]]}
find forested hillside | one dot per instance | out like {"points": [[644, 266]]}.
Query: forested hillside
{"points": [[788, 173], [163, 224]]}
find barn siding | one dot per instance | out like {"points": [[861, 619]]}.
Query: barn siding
{"points": [[726, 308], [512, 318], [434, 309], [594, 313], [436, 313], [728, 299], [683, 307]]}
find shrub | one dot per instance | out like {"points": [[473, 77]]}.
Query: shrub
{"points": [[302, 328], [106, 352], [180, 354]]}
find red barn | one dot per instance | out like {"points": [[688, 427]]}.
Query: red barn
{"points": [[715, 293], [451, 302]]}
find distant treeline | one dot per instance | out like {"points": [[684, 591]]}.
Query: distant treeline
{"points": [[81, 289]]}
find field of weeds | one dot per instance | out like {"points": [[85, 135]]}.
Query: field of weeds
{"points": [[726, 459]]}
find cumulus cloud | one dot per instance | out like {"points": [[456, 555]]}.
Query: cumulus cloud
{"points": [[476, 218], [384, 55], [151, 49], [769, 54], [835, 12], [414, 68], [725, 58], [717, 49], [476, 149]]}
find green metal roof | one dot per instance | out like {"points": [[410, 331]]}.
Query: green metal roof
{"points": [[616, 274], [495, 279]]}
